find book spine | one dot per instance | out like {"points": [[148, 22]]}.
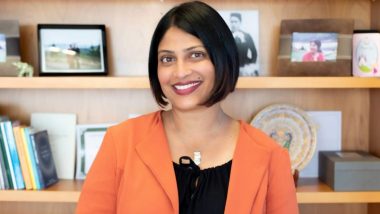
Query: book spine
{"points": [[2, 175], [28, 156], [14, 155], [22, 157], [8, 156], [32, 159], [4, 164], [39, 173], [2, 185]]}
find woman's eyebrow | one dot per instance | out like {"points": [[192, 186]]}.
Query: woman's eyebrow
{"points": [[184, 50], [165, 51], [193, 47]]}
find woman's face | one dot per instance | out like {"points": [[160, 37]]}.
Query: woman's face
{"points": [[185, 71], [313, 47]]}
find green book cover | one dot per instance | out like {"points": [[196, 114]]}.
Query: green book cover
{"points": [[4, 160]]}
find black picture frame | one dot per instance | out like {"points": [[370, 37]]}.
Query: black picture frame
{"points": [[72, 49]]}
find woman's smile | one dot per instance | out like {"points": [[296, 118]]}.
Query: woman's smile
{"points": [[186, 88]]}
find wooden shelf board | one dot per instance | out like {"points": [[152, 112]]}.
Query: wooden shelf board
{"points": [[307, 82], [65, 191], [312, 191], [75, 82], [309, 191], [143, 82]]}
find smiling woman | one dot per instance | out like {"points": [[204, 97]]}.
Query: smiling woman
{"points": [[205, 26], [190, 157], [185, 72]]}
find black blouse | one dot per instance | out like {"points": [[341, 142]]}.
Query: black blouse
{"points": [[201, 191]]}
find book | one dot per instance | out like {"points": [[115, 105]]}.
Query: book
{"points": [[23, 161], [2, 184], [44, 158], [31, 158], [61, 129], [7, 157], [4, 165], [10, 140]]}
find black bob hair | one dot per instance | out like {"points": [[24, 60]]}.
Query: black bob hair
{"points": [[205, 23]]}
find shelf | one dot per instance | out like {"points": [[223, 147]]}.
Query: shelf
{"points": [[66, 191], [143, 82], [307, 82], [309, 191], [74, 82]]}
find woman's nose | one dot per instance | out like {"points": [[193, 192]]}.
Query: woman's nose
{"points": [[182, 69]]}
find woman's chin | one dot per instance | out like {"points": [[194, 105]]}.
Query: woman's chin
{"points": [[187, 106]]}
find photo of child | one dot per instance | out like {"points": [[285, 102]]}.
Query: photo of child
{"points": [[314, 47]]}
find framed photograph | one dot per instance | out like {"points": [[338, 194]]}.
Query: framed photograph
{"points": [[366, 53], [89, 138], [3, 49], [9, 47], [244, 25], [314, 47], [72, 50], [326, 44]]}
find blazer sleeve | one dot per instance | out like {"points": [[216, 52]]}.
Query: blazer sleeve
{"points": [[99, 190], [281, 198]]}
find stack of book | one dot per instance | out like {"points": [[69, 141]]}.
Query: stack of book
{"points": [[26, 160]]}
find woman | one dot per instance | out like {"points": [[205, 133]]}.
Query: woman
{"points": [[315, 54], [193, 158]]}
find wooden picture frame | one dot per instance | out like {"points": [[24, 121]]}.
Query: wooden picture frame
{"points": [[340, 67]]}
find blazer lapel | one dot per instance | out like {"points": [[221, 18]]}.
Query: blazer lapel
{"points": [[154, 152], [249, 166]]}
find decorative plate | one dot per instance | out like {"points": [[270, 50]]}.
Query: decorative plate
{"points": [[290, 127]]}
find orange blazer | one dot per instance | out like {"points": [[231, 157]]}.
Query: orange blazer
{"points": [[133, 173]]}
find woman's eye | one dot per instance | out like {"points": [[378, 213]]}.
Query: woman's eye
{"points": [[166, 59], [197, 55]]}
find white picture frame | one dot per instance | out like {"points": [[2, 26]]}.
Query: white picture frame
{"points": [[244, 24], [89, 138]]}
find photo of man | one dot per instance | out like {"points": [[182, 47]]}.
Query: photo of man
{"points": [[244, 26], [244, 43]]}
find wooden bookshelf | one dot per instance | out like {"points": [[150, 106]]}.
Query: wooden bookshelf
{"points": [[312, 191], [143, 82], [74, 82], [309, 191], [67, 191]]}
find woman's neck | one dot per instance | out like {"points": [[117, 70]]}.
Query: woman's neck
{"points": [[208, 132], [197, 120], [197, 124]]}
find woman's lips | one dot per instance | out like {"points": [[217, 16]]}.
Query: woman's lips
{"points": [[186, 88]]}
